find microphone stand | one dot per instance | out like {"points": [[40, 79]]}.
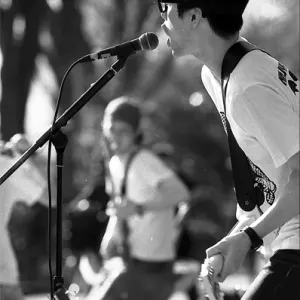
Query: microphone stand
{"points": [[60, 142]]}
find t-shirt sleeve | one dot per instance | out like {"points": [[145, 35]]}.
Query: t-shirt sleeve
{"points": [[269, 116], [152, 169]]}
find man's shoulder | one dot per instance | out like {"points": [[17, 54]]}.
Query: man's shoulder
{"points": [[256, 68], [142, 155], [146, 154], [148, 159], [256, 64]]}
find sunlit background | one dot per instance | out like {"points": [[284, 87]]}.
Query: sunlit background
{"points": [[40, 41]]}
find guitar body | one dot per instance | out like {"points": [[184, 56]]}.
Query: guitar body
{"points": [[112, 241], [111, 270]]}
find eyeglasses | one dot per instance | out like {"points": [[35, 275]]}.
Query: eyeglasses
{"points": [[163, 6]]}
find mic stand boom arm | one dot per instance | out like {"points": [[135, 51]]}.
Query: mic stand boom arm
{"points": [[68, 114], [60, 141]]}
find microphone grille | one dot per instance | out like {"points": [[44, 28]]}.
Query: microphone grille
{"points": [[149, 41]]}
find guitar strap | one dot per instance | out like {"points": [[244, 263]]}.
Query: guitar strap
{"points": [[249, 195], [124, 228]]}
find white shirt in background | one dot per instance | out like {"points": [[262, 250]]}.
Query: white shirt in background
{"points": [[152, 236]]}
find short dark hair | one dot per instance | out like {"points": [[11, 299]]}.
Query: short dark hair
{"points": [[128, 110], [224, 16]]}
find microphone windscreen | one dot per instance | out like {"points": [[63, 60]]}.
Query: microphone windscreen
{"points": [[149, 41]]}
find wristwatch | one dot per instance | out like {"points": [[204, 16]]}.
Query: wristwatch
{"points": [[256, 241]]}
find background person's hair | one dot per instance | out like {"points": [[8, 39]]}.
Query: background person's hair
{"points": [[224, 16], [128, 110]]}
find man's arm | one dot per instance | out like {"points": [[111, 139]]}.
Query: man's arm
{"points": [[265, 113], [168, 194], [286, 207], [165, 188]]}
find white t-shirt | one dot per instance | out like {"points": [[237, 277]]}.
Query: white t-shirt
{"points": [[152, 236], [262, 107], [25, 184]]}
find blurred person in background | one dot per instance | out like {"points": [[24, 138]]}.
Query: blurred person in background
{"points": [[26, 184], [262, 104], [143, 220]]}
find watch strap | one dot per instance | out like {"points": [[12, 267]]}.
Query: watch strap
{"points": [[256, 241]]}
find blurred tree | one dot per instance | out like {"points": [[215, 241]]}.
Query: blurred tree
{"points": [[19, 47], [40, 27], [274, 26], [66, 43]]}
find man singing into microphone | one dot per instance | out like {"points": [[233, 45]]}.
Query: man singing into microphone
{"points": [[145, 193], [262, 108]]}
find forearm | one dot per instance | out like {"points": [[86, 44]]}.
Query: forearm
{"points": [[283, 210], [168, 194]]}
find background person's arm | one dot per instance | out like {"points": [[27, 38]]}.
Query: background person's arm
{"points": [[168, 193]]}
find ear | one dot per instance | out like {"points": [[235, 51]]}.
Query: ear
{"points": [[195, 16]]}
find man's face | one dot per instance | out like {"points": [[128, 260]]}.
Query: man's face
{"points": [[178, 31], [120, 136]]}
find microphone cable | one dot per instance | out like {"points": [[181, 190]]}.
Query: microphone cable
{"points": [[154, 41]]}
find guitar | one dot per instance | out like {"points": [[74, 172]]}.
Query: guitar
{"points": [[213, 266], [105, 278]]}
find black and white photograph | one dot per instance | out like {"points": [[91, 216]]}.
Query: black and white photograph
{"points": [[149, 150]]}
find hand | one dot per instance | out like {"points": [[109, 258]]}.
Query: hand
{"points": [[234, 249], [121, 207], [19, 143]]}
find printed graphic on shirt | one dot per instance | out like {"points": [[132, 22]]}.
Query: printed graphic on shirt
{"points": [[224, 122], [288, 78], [260, 178]]}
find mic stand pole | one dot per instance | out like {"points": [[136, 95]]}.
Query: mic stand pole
{"points": [[60, 142]]}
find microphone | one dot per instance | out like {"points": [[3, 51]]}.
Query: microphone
{"points": [[147, 41]]}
